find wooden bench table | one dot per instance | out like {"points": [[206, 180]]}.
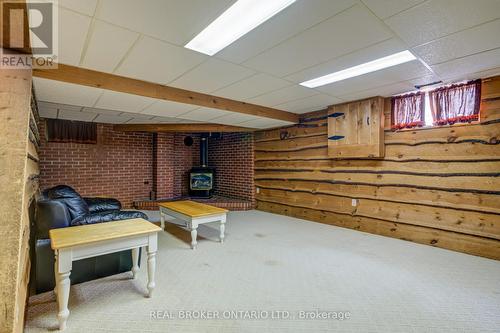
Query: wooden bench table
{"points": [[193, 214], [80, 242]]}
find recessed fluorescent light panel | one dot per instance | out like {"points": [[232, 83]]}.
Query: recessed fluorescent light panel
{"points": [[237, 20], [367, 67]]}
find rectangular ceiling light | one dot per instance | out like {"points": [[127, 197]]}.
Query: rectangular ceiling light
{"points": [[367, 67], [237, 20]]}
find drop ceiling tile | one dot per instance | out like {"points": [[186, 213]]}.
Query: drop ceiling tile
{"points": [[474, 63], [386, 8], [164, 120], [175, 21], [370, 53], [211, 75], [346, 32], [385, 91], [107, 46], [72, 33], [308, 104], [407, 71], [76, 115], [234, 119], [156, 61], [294, 19], [253, 86], [264, 123], [113, 100], [463, 43], [86, 7], [136, 120], [437, 18], [65, 93], [282, 95], [204, 114], [168, 108], [47, 110], [138, 115], [474, 75], [108, 119], [102, 111]]}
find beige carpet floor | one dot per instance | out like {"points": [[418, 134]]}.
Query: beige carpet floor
{"points": [[280, 266]]}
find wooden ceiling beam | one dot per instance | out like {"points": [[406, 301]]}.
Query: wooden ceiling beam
{"points": [[191, 128], [90, 78]]}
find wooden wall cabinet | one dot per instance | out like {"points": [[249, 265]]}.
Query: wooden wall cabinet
{"points": [[356, 129]]}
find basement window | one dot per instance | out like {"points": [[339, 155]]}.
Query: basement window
{"points": [[447, 105], [66, 131]]}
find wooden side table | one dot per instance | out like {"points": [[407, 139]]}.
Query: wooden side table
{"points": [[80, 242], [193, 214]]}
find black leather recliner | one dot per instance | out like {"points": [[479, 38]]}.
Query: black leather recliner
{"points": [[61, 207]]}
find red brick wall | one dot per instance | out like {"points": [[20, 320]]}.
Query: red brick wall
{"points": [[119, 165], [232, 156]]}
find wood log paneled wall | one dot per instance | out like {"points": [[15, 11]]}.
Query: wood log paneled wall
{"points": [[438, 186], [19, 183]]}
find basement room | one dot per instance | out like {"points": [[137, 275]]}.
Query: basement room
{"points": [[250, 166]]}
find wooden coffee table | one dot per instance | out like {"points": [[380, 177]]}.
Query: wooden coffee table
{"points": [[193, 214], [80, 242]]}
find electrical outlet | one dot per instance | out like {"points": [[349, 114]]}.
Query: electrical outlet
{"points": [[354, 202], [257, 190]]}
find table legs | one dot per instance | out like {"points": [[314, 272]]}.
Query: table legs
{"points": [[63, 270], [162, 220], [222, 228], [194, 235], [135, 262], [152, 248]]}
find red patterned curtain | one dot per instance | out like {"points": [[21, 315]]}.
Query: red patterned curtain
{"points": [[456, 103], [408, 111]]}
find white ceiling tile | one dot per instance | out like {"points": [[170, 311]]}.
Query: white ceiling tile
{"points": [[47, 110], [107, 46], [472, 76], [76, 115], [113, 100], [176, 21], [385, 91], [348, 31], [72, 33], [407, 71], [282, 95], [102, 111], [308, 104], [463, 66], [86, 7], [136, 120], [165, 120], [168, 108], [252, 86], [370, 53], [65, 93], [211, 75], [204, 114], [157, 61], [105, 118], [289, 22], [264, 123], [478, 39], [386, 8], [234, 119], [138, 115], [437, 18]]}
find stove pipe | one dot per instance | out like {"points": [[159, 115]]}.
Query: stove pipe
{"points": [[204, 151]]}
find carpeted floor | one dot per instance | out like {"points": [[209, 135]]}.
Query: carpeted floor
{"points": [[280, 267]]}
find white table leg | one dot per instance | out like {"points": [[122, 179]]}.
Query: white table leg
{"points": [[63, 265], [222, 228], [135, 262], [152, 248], [194, 235], [162, 220]]}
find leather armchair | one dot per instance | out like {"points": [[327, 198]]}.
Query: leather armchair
{"points": [[61, 207]]}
